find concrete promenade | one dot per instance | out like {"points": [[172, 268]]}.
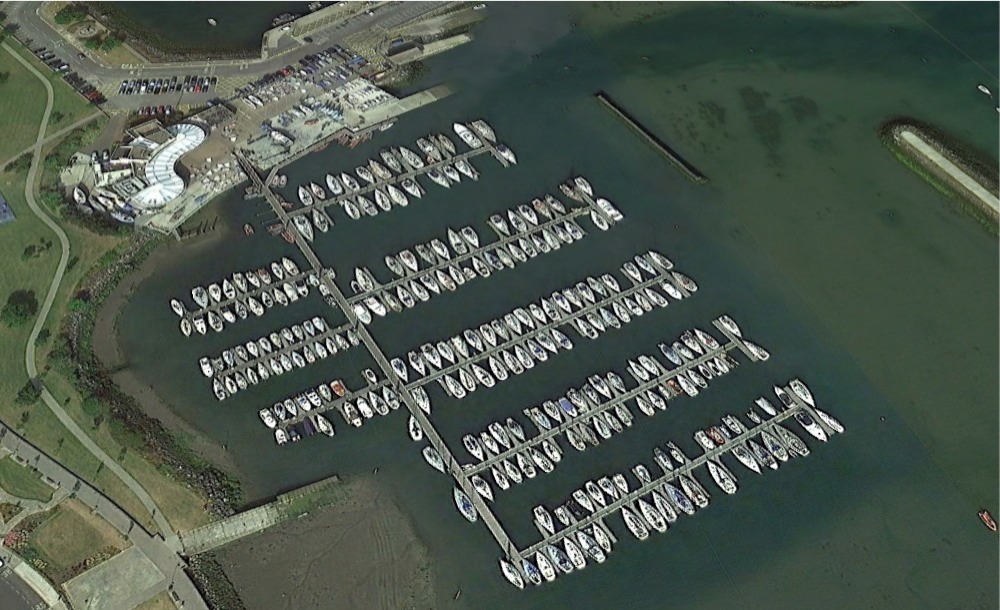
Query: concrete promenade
{"points": [[154, 548]]}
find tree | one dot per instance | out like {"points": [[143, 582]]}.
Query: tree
{"points": [[22, 305], [28, 394], [56, 116], [92, 43], [71, 13], [4, 76], [110, 43]]}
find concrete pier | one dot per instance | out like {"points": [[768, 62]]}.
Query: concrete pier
{"points": [[566, 320], [669, 477], [570, 216], [620, 399]]}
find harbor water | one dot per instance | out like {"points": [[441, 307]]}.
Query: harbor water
{"points": [[855, 274]]}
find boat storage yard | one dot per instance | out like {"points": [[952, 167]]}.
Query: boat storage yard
{"points": [[485, 463]]}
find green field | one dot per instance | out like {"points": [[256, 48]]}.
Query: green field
{"points": [[68, 106], [23, 482], [22, 101]]}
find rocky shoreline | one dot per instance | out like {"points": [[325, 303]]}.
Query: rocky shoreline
{"points": [[134, 428]]}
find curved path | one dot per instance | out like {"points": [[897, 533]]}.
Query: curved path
{"points": [[29, 353]]}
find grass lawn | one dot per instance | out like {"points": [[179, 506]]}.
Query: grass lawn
{"points": [[23, 482], [68, 106], [161, 601], [21, 106], [71, 534]]}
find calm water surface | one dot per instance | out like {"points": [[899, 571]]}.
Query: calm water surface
{"points": [[854, 274]]}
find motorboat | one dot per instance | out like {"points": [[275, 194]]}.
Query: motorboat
{"points": [[397, 196], [334, 185], [305, 196], [467, 136], [506, 153], [802, 391], [722, 477], [484, 130], [511, 574]]}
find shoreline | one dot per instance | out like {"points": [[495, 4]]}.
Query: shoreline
{"points": [[952, 167], [156, 49], [108, 351]]}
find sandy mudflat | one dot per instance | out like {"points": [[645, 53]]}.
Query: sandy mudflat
{"points": [[360, 554]]}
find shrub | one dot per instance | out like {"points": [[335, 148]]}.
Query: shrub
{"points": [[22, 305]]}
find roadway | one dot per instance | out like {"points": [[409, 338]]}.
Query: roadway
{"points": [[15, 594], [34, 27]]}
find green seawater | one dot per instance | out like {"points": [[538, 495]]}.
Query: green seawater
{"points": [[853, 272], [240, 25]]}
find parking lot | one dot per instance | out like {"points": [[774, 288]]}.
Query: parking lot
{"points": [[57, 64]]}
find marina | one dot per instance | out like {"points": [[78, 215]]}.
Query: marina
{"points": [[686, 468], [619, 400], [526, 336]]}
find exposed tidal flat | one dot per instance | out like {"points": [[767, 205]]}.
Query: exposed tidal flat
{"points": [[831, 254]]}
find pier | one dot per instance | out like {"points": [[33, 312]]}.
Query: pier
{"points": [[452, 465], [629, 499], [621, 399], [570, 216], [689, 171], [462, 472], [540, 328], [307, 339]]}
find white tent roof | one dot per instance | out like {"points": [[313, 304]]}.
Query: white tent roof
{"points": [[164, 183]]}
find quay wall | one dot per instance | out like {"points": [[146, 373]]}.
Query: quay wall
{"points": [[690, 171]]}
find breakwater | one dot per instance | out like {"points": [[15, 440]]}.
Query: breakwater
{"points": [[952, 167], [689, 171]]}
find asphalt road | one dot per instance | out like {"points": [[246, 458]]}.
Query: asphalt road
{"points": [[33, 27], [15, 594]]}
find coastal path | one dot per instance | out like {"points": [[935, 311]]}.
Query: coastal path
{"points": [[29, 353]]}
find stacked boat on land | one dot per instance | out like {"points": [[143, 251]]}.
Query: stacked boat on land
{"points": [[244, 293]]}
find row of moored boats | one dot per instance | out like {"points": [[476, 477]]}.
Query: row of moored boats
{"points": [[656, 503], [379, 184], [244, 293], [519, 339], [281, 351]]}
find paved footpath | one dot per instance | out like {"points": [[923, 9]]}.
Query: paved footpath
{"points": [[163, 551]]}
